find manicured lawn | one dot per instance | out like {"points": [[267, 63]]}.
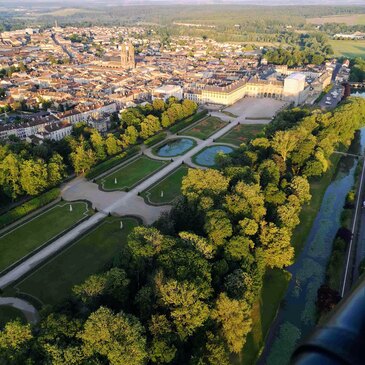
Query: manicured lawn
{"points": [[53, 282], [129, 175], [263, 313], [242, 133], [205, 128], [27, 237], [8, 313], [348, 48], [170, 186]]}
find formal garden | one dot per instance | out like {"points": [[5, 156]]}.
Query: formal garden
{"points": [[130, 174], [40, 230], [166, 190], [242, 133], [53, 282], [205, 128]]}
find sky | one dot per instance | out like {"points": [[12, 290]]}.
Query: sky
{"points": [[251, 2]]}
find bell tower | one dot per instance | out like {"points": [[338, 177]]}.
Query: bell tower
{"points": [[127, 55]]}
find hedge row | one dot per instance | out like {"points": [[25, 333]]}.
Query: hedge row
{"points": [[186, 122], [28, 207], [108, 164], [155, 139]]}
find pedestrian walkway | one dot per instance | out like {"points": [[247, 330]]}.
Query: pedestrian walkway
{"points": [[29, 311]]}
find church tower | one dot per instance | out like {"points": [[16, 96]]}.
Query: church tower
{"points": [[127, 55]]}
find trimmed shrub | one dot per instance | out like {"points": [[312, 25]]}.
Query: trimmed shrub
{"points": [[28, 207], [114, 161], [155, 139]]}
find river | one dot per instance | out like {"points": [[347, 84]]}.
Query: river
{"points": [[297, 314]]}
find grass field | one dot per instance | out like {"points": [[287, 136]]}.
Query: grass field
{"points": [[241, 133], [263, 313], [348, 48], [52, 282], [205, 128], [27, 237], [129, 175], [170, 185], [8, 313], [353, 19]]}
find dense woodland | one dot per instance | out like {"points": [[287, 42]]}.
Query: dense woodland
{"points": [[27, 169], [181, 292]]}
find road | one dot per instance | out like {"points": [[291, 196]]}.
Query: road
{"points": [[124, 205], [356, 250]]}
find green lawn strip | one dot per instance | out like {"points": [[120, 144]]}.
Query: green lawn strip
{"points": [[53, 282], [8, 313], [263, 313], [130, 174], [170, 185], [241, 133], [309, 212], [205, 128], [39, 230], [229, 114]]}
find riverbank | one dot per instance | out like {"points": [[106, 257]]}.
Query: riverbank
{"points": [[312, 240]]}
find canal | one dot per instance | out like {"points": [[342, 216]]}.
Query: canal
{"points": [[297, 314]]}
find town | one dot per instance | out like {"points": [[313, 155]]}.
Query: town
{"points": [[60, 76], [181, 183]]}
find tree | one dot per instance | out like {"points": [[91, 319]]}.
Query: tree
{"points": [[14, 341], [98, 144], [234, 317], [82, 159], [159, 105], [201, 244], [246, 201], [33, 176], [149, 126], [276, 246], [56, 170], [112, 145], [186, 307], [129, 137], [199, 183], [218, 227], [147, 242], [118, 338], [284, 142], [301, 189], [10, 176], [114, 282]]}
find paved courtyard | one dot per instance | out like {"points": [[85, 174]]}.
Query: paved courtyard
{"points": [[256, 108]]}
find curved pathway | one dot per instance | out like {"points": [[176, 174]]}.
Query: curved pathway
{"points": [[120, 203], [29, 311]]}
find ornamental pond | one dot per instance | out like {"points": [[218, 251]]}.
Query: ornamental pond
{"points": [[207, 156], [175, 147]]}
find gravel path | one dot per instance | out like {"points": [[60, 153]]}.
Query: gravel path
{"points": [[29, 311]]}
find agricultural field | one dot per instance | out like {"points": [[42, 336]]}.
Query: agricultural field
{"points": [[25, 238], [130, 174], [242, 133], [353, 19], [169, 188], [53, 282], [348, 48], [204, 128]]}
